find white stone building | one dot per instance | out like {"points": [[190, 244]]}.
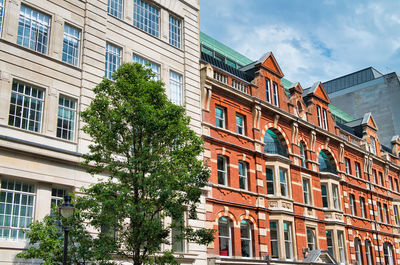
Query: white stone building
{"points": [[52, 53]]}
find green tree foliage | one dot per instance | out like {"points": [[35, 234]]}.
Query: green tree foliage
{"points": [[150, 160]]}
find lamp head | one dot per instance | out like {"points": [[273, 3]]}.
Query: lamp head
{"points": [[67, 209]]}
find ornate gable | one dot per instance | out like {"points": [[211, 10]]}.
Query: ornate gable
{"points": [[269, 62]]}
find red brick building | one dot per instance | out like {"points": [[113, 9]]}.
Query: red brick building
{"points": [[289, 183]]}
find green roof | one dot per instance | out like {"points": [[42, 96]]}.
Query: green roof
{"points": [[223, 49], [340, 113]]}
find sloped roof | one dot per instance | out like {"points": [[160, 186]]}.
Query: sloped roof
{"points": [[221, 48], [352, 79], [340, 113]]}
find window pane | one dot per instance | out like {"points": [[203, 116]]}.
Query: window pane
{"points": [[175, 88], [1, 14], [219, 117], [273, 226], [115, 8], [146, 63], [66, 118], [224, 236], [146, 17], [270, 181], [243, 175], [71, 45], [175, 28], [283, 181], [113, 60], [221, 164], [245, 238]]}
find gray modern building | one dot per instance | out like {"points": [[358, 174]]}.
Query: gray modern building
{"points": [[368, 90]]}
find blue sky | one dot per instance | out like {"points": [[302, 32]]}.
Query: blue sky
{"points": [[312, 40]]}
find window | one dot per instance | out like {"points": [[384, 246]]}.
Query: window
{"points": [[275, 92], [335, 196], [176, 232], [273, 227], [146, 17], [381, 179], [347, 165], [386, 211], [396, 214], [306, 191], [26, 107], [390, 183], [379, 211], [239, 124], [324, 194], [283, 182], [57, 194], [362, 208], [287, 233], [113, 60], [224, 228], [319, 116], [220, 117], [329, 242], [373, 145], [1, 14], [342, 254], [270, 181], [71, 45], [245, 238], [357, 169], [175, 29], [273, 145], [325, 162], [243, 183], [396, 185], [66, 118], [302, 155], [222, 172], [175, 88], [148, 64], [268, 90], [33, 29], [368, 252], [114, 8], [374, 175], [357, 247], [325, 119], [16, 209], [353, 209], [311, 239], [388, 253]]}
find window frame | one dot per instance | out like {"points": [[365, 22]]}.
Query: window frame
{"points": [[222, 171], [386, 213], [275, 93], [274, 241], [75, 57], [227, 237], [325, 119], [307, 191], [269, 181], [302, 155], [222, 119], [319, 116], [347, 166], [288, 240], [74, 121], [358, 251], [176, 95], [331, 246], [357, 169], [243, 175], [326, 196], [112, 51], [352, 202], [148, 64], [388, 254], [379, 209], [284, 184], [373, 144], [118, 12], [335, 196], [2, 8], [242, 126], [176, 43], [248, 240], [311, 244], [368, 252], [396, 214], [341, 247], [363, 208], [268, 90], [147, 10]]}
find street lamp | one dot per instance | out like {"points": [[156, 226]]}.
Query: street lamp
{"points": [[66, 210]]}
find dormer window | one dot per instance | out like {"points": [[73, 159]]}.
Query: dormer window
{"points": [[268, 90], [373, 145], [325, 120], [275, 93], [319, 116]]}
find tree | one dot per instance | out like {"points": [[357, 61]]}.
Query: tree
{"points": [[151, 158]]}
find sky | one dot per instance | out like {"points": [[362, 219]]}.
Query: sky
{"points": [[312, 40]]}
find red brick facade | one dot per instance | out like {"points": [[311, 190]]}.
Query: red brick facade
{"points": [[301, 200]]}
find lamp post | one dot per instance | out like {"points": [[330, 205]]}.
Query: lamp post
{"points": [[66, 210]]}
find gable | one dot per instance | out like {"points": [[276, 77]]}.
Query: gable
{"points": [[371, 123], [321, 93], [271, 64]]}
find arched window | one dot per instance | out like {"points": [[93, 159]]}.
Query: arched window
{"points": [[388, 253], [246, 238], [302, 154], [225, 237], [272, 144], [325, 162], [368, 252], [357, 246]]}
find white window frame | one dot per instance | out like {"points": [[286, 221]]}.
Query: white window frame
{"points": [[357, 169], [306, 191], [388, 253], [270, 182], [268, 90], [243, 175], [113, 59], [347, 165], [222, 119], [274, 240], [248, 239], [379, 208], [362, 207], [71, 123], [275, 93], [358, 251], [176, 88], [368, 252], [311, 241], [223, 171], [146, 17], [325, 196], [288, 238], [240, 127], [335, 196], [302, 155], [352, 202], [2, 8], [396, 214], [283, 182], [226, 237], [332, 247], [373, 145], [319, 116], [148, 64], [341, 245], [175, 31], [72, 42], [115, 8], [325, 120], [386, 213]]}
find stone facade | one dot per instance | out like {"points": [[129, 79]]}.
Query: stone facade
{"points": [[37, 78]]}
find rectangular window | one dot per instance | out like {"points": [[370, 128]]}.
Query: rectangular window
{"points": [[357, 169], [319, 116], [386, 211], [374, 175], [268, 90], [26, 107], [373, 145], [66, 118], [287, 233], [324, 194], [396, 185], [16, 209], [239, 124], [273, 227], [379, 211], [243, 183], [71, 45], [114, 8], [362, 208], [1, 14], [283, 182], [175, 88], [311, 239], [347, 165], [306, 191], [175, 31], [113, 60], [146, 17], [275, 92], [219, 117], [270, 181], [176, 232], [342, 254], [222, 172], [335, 196], [381, 179], [390, 183], [396, 214], [325, 119], [329, 242], [33, 29], [57, 194], [148, 64], [352, 205]]}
